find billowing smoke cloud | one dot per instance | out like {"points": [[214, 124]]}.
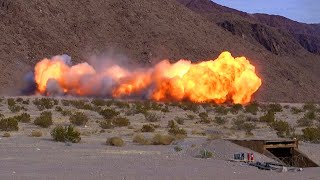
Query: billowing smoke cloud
{"points": [[224, 79]]}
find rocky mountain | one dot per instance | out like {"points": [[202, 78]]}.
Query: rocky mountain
{"points": [[147, 31]]}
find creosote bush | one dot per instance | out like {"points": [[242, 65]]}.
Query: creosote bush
{"points": [[11, 102], [9, 124], [115, 141], [24, 117], [282, 127], [107, 124], [295, 110], [311, 134], [269, 117], [309, 106], [98, 102], [108, 113], [275, 107], [240, 123], [222, 110], [189, 106], [302, 122], [65, 134], [236, 108], [44, 120], [220, 120], [79, 119], [148, 128], [44, 103], [152, 117], [179, 120], [252, 108], [120, 121]]}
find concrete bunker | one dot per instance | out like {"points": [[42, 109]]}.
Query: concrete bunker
{"points": [[283, 151]]}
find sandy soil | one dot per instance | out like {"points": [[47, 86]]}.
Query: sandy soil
{"points": [[39, 158], [25, 157]]}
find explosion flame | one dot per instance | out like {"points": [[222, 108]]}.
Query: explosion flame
{"points": [[224, 79]]}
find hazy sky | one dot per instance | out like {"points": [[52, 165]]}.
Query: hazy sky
{"points": [[307, 11]]}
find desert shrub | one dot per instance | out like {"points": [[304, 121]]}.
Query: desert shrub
{"points": [[165, 109], [26, 102], [115, 141], [178, 148], [36, 133], [15, 108], [147, 128], [220, 120], [189, 106], [179, 120], [24, 117], [310, 115], [269, 117], [295, 110], [204, 118], [171, 124], [203, 115], [44, 120], [44, 103], [305, 122], [159, 139], [236, 108], [311, 134], [240, 123], [109, 113], [9, 124], [275, 107], [11, 102], [176, 131], [19, 99], [79, 118], [66, 112], [6, 134], [282, 127], [309, 106], [106, 124], [98, 102], [152, 117], [252, 108], [65, 102], [121, 104], [58, 109], [120, 121], [205, 154], [65, 134], [81, 104], [222, 110], [191, 116], [140, 139]]}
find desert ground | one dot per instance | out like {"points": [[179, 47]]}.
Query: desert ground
{"points": [[157, 140]]}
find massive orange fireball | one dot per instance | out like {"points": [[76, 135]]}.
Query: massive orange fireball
{"points": [[224, 79]]}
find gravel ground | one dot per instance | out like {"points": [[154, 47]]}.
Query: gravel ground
{"points": [[39, 158]]}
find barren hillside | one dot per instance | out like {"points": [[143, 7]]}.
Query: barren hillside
{"points": [[147, 31]]}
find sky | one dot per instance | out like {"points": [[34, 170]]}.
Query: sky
{"points": [[307, 11]]}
